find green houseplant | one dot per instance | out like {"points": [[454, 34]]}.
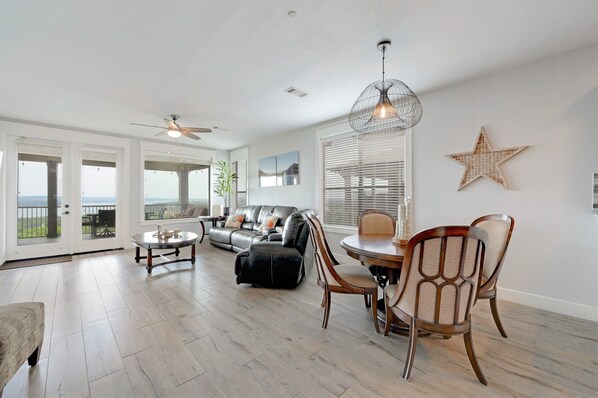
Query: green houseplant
{"points": [[224, 182]]}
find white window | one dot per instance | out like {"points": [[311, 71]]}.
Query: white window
{"points": [[361, 173], [238, 160], [175, 187], [240, 184]]}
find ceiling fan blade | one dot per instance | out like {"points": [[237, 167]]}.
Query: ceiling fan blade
{"points": [[171, 124], [147, 125], [161, 133], [196, 129], [190, 135]]}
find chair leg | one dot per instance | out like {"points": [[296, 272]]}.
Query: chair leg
{"points": [[411, 349], [367, 301], [34, 357], [375, 309], [389, 316], [326, 310], [473, 359], [494, 309], [323, 304]]}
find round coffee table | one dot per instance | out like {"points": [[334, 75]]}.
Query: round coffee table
{"points": [[150, 242]]}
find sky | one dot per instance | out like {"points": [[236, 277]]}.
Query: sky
{"points": [[101, 182]]}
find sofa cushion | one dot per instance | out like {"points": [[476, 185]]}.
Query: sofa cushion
{"points": [[265, 212], [249, 226], [200, 211], [221, 235], [292, 228], [251, 213], [243, 239], [234, 221], [283, 212]]}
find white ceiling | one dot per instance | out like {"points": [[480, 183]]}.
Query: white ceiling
{"points": [[102, 64]]}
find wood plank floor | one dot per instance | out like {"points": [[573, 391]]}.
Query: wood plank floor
{"points": [[112, 331]]}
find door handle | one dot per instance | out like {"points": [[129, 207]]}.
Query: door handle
{"points": [[66, 212]]}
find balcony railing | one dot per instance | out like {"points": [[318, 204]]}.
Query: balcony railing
{"points": [[160, 211], [32, 221]]}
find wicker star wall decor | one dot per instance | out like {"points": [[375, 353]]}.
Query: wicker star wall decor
{"points": [[484, 161]]}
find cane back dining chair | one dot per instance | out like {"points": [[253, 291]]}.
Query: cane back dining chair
{"points": [[499, 228], [376, 222], [339, 278], [439, 286]]}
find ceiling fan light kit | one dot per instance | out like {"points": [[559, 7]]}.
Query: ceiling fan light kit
{"points": [[173, 133], [174, 130], [386, 107]]}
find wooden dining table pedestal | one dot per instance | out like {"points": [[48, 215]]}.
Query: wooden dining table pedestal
{"points": [[379, 250]]}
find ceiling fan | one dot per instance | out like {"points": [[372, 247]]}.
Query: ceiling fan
{"points": [[174, 130]]}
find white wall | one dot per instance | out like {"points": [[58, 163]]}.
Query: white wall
{"points": [[301, 196], [551, 105]]}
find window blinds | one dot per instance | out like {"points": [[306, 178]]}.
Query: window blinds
{"points": [[359, 174]]}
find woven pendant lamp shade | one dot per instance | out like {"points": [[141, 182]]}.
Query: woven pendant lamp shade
{"points": [[386, 107]]}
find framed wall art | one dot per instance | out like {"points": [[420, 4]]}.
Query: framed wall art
{"points": [[279, 170]]}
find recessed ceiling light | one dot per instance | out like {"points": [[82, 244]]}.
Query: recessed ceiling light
{"points": [[292, 14]]}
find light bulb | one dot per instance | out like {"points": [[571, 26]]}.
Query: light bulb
{"points": [[384, 108], [173, 133]]}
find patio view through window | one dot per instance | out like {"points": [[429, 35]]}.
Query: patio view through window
{"points": [[175, 188], [98, 195], [39, 195]]}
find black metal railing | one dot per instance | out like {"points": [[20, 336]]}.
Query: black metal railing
{"points": [[32, 221]]}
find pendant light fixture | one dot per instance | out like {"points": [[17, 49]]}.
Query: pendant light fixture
{"points": [[386, 107]]}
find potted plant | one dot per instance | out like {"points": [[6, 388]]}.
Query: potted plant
{"points": [[224, 183]]}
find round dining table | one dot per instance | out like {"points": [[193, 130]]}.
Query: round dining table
{"points": [[379, 250], [375, 250]]}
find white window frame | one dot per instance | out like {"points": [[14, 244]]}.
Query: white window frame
{"points": [[342, 128], [235, 156]]}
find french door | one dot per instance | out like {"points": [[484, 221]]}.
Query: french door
{"points": [[62, 198]]}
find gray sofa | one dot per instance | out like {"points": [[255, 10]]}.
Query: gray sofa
{"points": [[238, 240]]}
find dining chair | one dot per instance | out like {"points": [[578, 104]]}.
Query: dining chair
{"points": [[442, 269], [376, 222], [339, 278], [499, 228]]}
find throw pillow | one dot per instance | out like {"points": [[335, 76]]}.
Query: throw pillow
{"points": [[268, 223], [292, 228], [234, 221]]}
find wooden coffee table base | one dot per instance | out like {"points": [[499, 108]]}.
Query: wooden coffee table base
{"points": [[150, 264], [150, 241]]}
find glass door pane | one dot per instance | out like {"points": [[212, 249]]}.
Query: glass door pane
{"points": [[39, 198], [98, 195]]}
